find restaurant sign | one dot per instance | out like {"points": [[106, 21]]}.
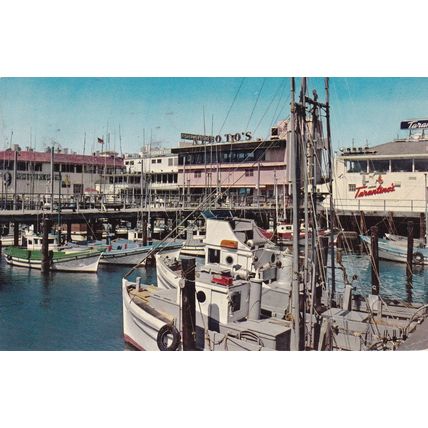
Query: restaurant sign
{"points": [[364, 191], [414, 124], [228, 138]]}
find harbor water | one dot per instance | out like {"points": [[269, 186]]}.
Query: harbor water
{"points": [[63, 311]]}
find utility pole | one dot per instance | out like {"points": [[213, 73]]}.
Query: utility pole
{"points": [[330, 176], [295, 291]]}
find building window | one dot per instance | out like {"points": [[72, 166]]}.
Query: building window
{"points": [[153, 160], [249, 173], [170, 161], [421, 164], [159, 160], [198, 174], [379, 166], [352, 187], [397, 184], [356, 166], [401, 165]]}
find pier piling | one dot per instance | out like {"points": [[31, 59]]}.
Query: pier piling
{"points": [[15, 234], [409, 264], [188, 304], [375, 259], [144, 232], [422, 230], [45, 246], [69, 231]]}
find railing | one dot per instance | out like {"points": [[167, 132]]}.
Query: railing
{"points": [[385, 205], [42, 202]]}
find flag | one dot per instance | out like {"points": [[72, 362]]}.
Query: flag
{"points": [[100, 140]]}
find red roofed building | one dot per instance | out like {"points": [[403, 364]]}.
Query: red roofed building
{"points": [[27, 172]]}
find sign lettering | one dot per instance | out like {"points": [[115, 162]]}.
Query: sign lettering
{"points": [[228, 138], [414, 124], [361, 191]]}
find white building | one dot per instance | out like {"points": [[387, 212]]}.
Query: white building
{"points": [[152, 172], [390, 177]]}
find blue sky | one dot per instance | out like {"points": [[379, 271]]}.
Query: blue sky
{"points": [[63, 109]]}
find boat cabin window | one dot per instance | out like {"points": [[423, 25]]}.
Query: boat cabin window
{"points": [[235, 301], [213, 256], [379, 166], [421, 164], [401, 165], [356, 166]]}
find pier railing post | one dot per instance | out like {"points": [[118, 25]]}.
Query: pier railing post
{"points": [[188, 304], [375, 259]]}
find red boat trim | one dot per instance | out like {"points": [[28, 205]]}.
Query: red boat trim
{"points": [[132, 342]]}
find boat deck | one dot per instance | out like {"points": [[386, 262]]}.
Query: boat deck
{"points": [[418, 340]]}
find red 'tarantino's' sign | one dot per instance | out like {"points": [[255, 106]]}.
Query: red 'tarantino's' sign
{"points": [[362, 193]]}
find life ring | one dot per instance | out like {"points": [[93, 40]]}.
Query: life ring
{"points": [[418, 258], [163, 333]]}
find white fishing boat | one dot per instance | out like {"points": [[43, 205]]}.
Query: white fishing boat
{"points": [[130, 255], [239, 246], [397, 252], [228, 316]]}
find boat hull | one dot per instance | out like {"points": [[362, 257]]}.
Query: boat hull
{"points": [[140, 328], [398, 253], [75, 263]]}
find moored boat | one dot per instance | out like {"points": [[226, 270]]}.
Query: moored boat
{"points": [[62, 258], [397, 252]]}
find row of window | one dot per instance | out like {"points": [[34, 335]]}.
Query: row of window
{"points": [[155, 160], [385, 165], [221, 157], [155, 178]]}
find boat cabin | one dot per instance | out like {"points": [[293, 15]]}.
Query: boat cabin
{"points": [[34, 242]]}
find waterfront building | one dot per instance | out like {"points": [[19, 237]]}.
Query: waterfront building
{"points": [[26, 175], [387, 178], [152, 172], [236, 166]]}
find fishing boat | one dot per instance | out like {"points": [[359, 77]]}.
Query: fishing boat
{"points": [[130, 255], [63, 259], [228, 316], [396, 251], [239, 247]]}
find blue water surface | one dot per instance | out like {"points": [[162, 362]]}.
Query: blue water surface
{"points": [[63, 311]]}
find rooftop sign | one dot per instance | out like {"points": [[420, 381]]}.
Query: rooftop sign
{"points": [[228, 138], [414, 124]]}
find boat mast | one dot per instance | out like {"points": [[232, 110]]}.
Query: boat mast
{"points": [[330, 177], [295, 292]]}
